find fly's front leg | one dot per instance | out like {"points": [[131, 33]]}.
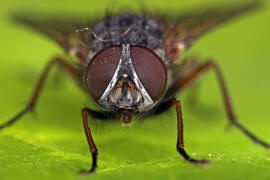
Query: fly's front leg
{"points": [[182, 82], [92, 146], [164, 106], [33, 100], [180, 138]]}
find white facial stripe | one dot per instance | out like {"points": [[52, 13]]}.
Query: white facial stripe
{"points": [[124, 68]]}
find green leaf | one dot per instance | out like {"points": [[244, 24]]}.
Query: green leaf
{"points": [[51, 143]]}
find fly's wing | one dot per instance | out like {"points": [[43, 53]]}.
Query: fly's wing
{"points": [[70, 34], [184, 29]]}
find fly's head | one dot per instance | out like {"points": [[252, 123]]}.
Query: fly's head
{"points": [[126, 78]]}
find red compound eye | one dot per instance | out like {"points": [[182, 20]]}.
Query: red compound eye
{"points": [[150, 70], [101, 70]]}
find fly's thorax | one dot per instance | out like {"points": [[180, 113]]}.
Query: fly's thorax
{"points": [[126, 77], [127, 28]]}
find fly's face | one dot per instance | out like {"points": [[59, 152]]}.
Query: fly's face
{"points": [[126, 77], [125, 94]]}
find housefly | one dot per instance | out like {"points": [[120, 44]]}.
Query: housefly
{"points": [[130, 64]]}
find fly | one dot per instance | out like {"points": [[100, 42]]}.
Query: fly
{"points": [[128, 64]]}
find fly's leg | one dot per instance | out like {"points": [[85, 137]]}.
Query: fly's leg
{"points": [[184, 81], [92, 146], [180, 139], [33, 100]]}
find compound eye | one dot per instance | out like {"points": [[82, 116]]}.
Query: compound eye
{"points": [[150, 70], [101, 70]]}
